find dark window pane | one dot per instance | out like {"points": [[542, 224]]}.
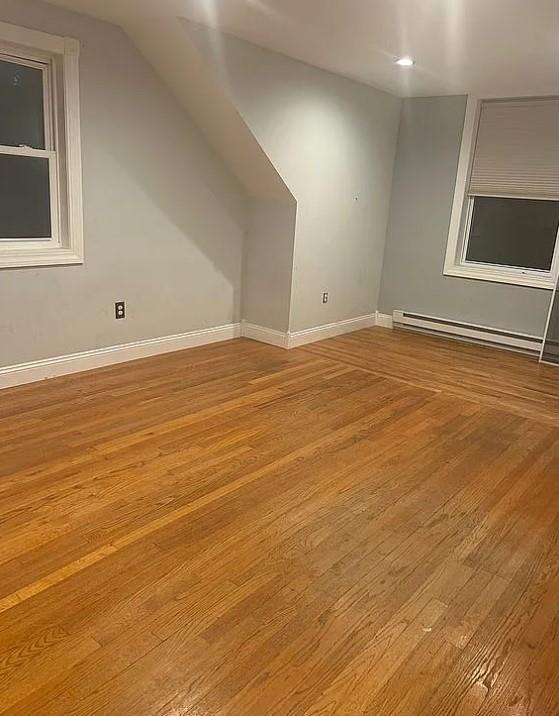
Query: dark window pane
{"points": [[513, 232], [24, 197], [21, 106]]}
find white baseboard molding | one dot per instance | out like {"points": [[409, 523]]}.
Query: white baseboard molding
{"points": [[384, 320], [310, 335], [264, 335], [321, 333], [23, 373], [77, 362]]}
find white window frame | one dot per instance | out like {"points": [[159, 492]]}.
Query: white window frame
{"points": [[33, 48], [455, 259]]}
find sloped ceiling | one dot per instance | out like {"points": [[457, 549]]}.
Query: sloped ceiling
{"points": [[155, 30]]}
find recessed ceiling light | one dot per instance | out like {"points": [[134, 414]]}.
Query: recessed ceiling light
{"points": [[405, 61]]}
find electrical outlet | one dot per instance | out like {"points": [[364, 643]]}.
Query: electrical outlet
{"points": [[120, 310], [325, 297]]}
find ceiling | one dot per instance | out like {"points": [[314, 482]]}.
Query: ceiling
{"points": [[486, 47]]}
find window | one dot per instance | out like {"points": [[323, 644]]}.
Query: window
{"points": [[505, 217], [40, 157], [518, 233]]}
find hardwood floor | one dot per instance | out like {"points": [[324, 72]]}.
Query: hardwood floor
{"points": [[369, 525]]}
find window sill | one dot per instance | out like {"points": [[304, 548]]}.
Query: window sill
{"points": [[514, 278], [35, 258]]}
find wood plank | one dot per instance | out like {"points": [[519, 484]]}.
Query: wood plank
{"points": [[365, 525]]}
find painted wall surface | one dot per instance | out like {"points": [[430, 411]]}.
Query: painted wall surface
{"points": [[191, 79], [268, 263], [421, 204], [333, 143], [164, 219]]}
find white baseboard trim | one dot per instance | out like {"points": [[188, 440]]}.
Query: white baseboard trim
{"points": [[264, 335], [310, 335], [320, 333], [75, 363], [23, 373], [384, 320]]}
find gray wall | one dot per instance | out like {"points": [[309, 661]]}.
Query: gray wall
{"points": [[268, 263], [166, 45], [333, 142], [422, 193], [164, 220]]}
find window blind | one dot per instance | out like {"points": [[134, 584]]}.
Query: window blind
{"points": [[517, 150]]}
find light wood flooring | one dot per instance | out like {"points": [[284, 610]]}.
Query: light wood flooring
{"points": [[368, 525]]}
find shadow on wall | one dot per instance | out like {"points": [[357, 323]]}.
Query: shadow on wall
{"points": [[164, 220], [164, 155]]}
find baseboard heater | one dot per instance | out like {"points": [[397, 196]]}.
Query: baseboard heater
{"points": [[468, 332]]}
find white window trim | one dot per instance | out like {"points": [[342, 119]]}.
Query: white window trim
{"points": [[455, 264], [67, 249]]}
